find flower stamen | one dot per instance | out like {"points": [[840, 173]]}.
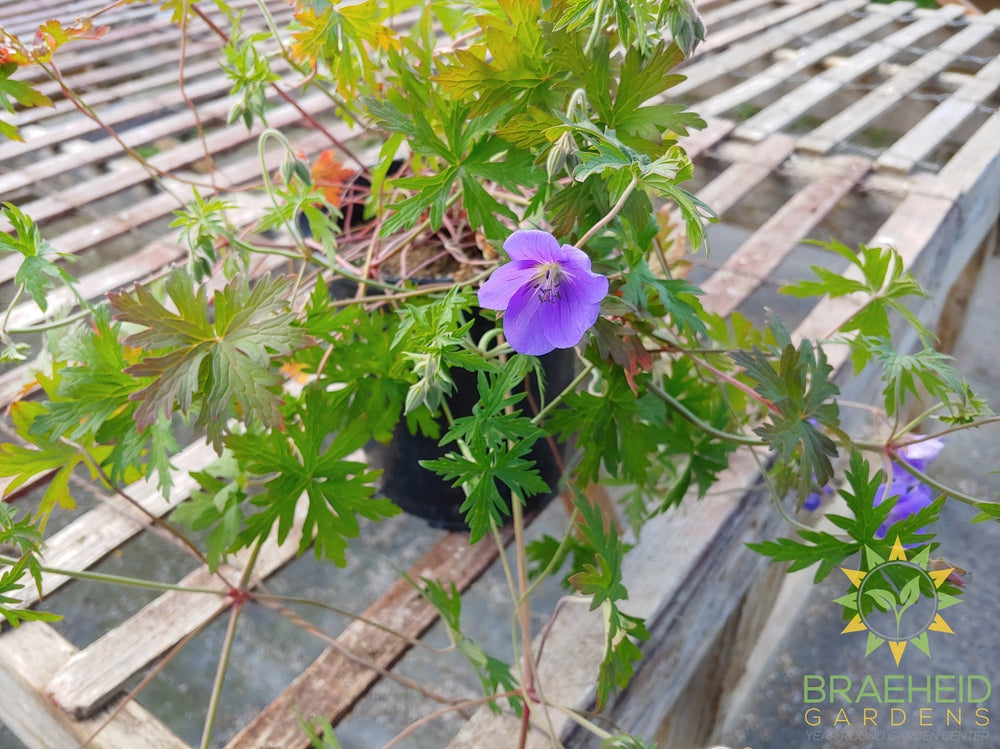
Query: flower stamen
{"points": [[548, 281]]}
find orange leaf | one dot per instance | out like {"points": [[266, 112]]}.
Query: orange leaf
{"points": [[331, 176]]}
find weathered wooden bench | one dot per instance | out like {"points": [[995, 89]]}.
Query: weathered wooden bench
{"points": [[867, 123]]}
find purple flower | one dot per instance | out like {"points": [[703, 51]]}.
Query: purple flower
{"points": [[913, 494], [547, 292]]}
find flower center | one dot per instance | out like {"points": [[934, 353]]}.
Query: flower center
{"points": [[548, 278]]}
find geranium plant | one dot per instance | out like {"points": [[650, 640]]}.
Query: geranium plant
{"points": [[516, 188]]}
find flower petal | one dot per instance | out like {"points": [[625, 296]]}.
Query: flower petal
{"points": [[522, 326], [504, 282], [919, 454], [532, 244]]}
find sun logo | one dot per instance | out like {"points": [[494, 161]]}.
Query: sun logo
{"points": [[898, 601]]}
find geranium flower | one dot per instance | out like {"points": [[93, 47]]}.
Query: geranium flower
{"points": [[914, 495], [547, 292]]}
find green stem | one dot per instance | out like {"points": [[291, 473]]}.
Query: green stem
{"points": [[954, 429], [550, 567], [675, 404], [117, 579], [584, 373], [220, 676], [935, 484], [13, 303], [615, 209], [582, 722], [54, 325]]}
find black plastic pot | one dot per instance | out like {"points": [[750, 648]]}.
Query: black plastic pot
{"points": [[421, 492]]}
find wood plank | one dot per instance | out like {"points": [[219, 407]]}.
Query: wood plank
{"points": [[29, 655], [923, 219], [805, 97], [702, 537], [234, 175], [216, 87], [712, 17], [807, 56], [751, 27], [707, 67], [761, 254], [699, 141], [133, 29], [181, 156], [193, 69], [93, 535], [145, 262], [889, 93], [334, 683], [92, 677], [742, 176], [946, 118]]}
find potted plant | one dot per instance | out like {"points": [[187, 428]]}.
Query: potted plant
{"points": [[508, 208]]}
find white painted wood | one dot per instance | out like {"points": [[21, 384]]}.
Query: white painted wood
{"points": [[706, 67], [946, 118], [801, 100], [879, 101], [92, 677], [803, 58], [29, 656], [761, 254]]}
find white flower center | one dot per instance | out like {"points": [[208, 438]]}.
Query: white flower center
{"points": [[547, 280]]}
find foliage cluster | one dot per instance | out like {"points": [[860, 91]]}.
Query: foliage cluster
{"points": [[505, 113]]}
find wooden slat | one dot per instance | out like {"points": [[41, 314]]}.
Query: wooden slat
{"points": [[699, 141], [803, 58], [121, 222], [751, 27], [946, 118], [93, 676], [805, 97], [145, 262], [209, 109], [741, 177], [334, 683], [721, 13], [708, 67], [761, 254], [29, 656], [176, 158], [97, 533], [133, 29], [888, 94], [193, 68]]}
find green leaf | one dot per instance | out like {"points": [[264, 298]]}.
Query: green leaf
{"points": [[493, 674], [883, 281], [44, 455], [827, 551], [225, 364], [801, 393], [310, 459], [22, 93], [37, 272]]}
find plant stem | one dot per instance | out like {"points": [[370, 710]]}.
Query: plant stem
{"points": [[117, 579], [54, 325], [584, 373], [675, 404], [615, 209], [424, 720], [313, 122], [220, 675]]}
